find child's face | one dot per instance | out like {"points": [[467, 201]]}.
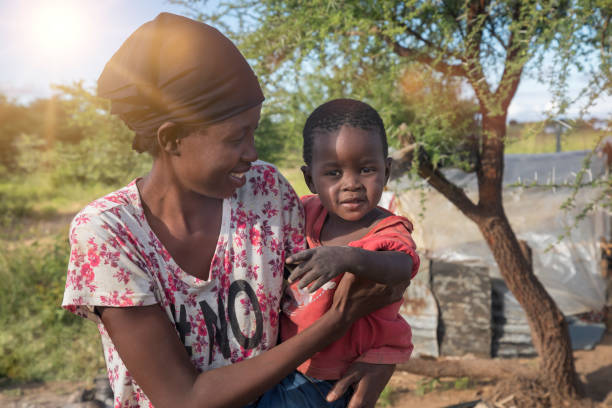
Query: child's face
{"points": [[213, 162], [348, 171]]}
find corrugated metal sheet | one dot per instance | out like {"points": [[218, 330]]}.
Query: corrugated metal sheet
{"points": [[511, 334], [421, 312], [464, 297], [455, 309]]}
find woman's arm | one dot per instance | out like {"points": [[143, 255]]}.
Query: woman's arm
{"points": [[321, 264], [155, 357]]}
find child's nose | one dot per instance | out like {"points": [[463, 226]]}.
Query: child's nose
{"points": [[351, 182]]}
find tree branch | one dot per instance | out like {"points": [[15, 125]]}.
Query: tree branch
{"points": [[438, 65], [511, 76], [494, 34], [474, 368], [403, 159], [476, 76]]}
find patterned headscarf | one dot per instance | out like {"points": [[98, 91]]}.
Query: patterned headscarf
{"points": [[177, 69]]}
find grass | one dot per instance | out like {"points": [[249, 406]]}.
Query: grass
{"points": [[385, 399], [296, 179], [532, 139], [39, 340], [428, 385]]}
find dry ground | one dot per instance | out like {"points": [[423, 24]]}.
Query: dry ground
{"points": [[408, 390], [594, 368]]}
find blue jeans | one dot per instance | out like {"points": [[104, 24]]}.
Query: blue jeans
{"points": [[300, 391]]}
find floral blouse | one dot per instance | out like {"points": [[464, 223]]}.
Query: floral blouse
{"points": [[116, 260]]}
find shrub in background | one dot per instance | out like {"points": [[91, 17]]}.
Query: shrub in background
{"points": [[39, 340]]}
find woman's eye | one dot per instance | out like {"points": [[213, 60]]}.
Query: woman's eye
{"points": [[236, 140]]}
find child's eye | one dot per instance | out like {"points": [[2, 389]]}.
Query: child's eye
{"points": [[368, 170], [333, 173]]}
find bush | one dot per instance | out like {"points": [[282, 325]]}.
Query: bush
{"points": [[39, 340], [16, 201], [104, 154]]}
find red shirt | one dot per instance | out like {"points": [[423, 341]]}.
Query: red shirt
{"points": [[382, 337]]}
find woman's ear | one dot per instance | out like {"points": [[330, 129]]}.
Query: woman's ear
{"points": [[168, 138], [308, 178], [388, 163]]}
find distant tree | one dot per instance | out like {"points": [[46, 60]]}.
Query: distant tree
{"points": [[329, 48], [44, 120], [15, 119]]}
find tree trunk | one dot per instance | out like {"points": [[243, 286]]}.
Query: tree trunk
{"points": [[549, 330], [548, 327]]}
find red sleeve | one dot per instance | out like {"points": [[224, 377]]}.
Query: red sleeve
{"points": [[391, 234]]}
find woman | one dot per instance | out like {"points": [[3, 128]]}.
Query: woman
{"points": [[182, 269]]}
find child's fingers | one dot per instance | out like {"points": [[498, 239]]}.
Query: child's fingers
{"points": [[308, 278], [300, 257], [319, 282], [297, 273]]}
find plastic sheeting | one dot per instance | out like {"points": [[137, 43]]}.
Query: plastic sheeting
{"points": [[568, 269]]}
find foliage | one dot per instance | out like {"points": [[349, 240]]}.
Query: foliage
{"points": [[602, 200], [39, 340], [308, 52], [386, 397], [71, 136], [104, 153]]}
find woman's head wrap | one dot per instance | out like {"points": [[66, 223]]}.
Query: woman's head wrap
{"points": [[177, 69]]}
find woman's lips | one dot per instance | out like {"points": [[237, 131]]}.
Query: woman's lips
{"points": [[238, 178]]}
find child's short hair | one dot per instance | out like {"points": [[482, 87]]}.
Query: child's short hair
{"points": [[332, 115]]}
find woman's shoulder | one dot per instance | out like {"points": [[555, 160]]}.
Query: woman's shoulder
{"points": [[264, 180], [125, 199]]}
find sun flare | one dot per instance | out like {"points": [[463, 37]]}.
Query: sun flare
{"points": [[56, 30]]}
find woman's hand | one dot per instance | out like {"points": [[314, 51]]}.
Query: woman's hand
{"points": [[356, 297], [368, 381]]}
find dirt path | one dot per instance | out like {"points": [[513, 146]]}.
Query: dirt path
{"points": [[408, 390]]}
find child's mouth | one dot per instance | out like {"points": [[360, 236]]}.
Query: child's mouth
{"points": [[352, 203]]}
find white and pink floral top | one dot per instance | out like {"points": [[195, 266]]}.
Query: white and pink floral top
{"points": [[116, 260]]}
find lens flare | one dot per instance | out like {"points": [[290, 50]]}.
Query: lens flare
{"points": [[56, 29]]}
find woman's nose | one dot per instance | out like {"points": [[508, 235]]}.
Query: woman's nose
{"points": [[249, 153]]}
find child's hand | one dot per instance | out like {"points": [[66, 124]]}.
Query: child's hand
{"points": [[319, 265]]}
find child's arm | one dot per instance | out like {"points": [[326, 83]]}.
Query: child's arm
{"points": [[321, 264]]}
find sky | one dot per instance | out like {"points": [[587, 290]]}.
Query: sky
{"points": [[44, 42]]}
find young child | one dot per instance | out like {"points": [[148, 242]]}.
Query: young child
{"points": [[345, 151]]}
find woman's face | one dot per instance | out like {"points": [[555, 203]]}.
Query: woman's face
{"points": [[213, 161]]}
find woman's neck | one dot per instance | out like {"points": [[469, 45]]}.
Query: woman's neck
{"points": [[167, 200]]}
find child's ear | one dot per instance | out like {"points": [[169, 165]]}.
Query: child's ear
{"points": [[308, 179], [388, 163], [167, 137]]}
